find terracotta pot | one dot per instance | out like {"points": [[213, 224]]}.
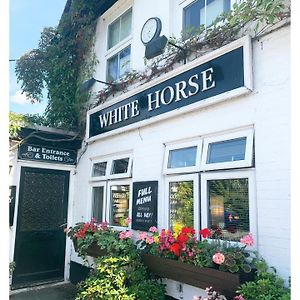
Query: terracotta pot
{"points": [[224, 282], [93, 250]]}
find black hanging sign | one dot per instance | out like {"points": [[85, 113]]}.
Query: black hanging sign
{"points": [[144, 206], [219, 75], [47, 154]]}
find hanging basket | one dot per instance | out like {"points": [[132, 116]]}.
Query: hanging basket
{"points": [[93, 250], [224, 282]]}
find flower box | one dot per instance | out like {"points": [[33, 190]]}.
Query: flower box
{"points": [[93, 250], [224, 282]]}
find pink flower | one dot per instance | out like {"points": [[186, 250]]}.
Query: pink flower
{"points": [[239, 297], [153, 229], [218, 258], [142, 236], [128, 234], [247, 240], [149, 240], [122, 235]]}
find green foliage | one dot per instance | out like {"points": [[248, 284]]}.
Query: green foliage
{"points": [[16, 121], [267, 286], [60, 63], [120, 278], [12, 266]]}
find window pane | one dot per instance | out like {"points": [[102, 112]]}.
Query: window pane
{"points": [[181, 203], [225, 151], [194, 14], [113, 33], [213, 10], [229, 207], [120, 166], [98, 194], [125, 25], [112, 68], [99, 169], [124, 64], [184, 157], [119, 204]]}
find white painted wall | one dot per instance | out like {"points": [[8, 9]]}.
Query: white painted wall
{"points": [[267, 108]]}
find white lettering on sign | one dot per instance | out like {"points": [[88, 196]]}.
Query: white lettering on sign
{"points": [[124, 112], [180, 91]]}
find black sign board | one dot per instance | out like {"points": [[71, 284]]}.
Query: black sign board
{"points": [[219, 75], [47, 154], [12, 202], [144, 205]]}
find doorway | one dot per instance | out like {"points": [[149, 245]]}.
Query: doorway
{"points": [[40, 240]]}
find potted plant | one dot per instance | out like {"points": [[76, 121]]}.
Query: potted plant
{"points": [[99, 239], [180, 256]]}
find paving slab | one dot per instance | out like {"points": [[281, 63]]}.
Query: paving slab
{"points": [[66, 291]]}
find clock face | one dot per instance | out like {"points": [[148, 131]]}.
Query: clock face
{"points": [[150, 30]]}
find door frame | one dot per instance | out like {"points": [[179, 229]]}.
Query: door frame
{"points": [[16, 181]]}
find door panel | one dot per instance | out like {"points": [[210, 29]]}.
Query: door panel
{"points": [[40, 240]]}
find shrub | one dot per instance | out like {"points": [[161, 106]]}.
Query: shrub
{"points": [[267, 286], [120, 278]]}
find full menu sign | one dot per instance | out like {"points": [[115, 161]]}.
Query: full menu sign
{"points": [[144, 206], [214, 77], [47, 154]]}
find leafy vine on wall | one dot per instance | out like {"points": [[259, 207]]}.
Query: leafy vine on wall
{"points": [[254, 17]]}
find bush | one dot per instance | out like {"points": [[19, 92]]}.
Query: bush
{"points": [[120, 278], [267, 286]]}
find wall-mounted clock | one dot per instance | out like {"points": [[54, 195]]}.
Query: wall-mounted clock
{"points": [[151, 30]]}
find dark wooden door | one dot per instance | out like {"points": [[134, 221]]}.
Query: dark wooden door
{"points": [[40, 239]]}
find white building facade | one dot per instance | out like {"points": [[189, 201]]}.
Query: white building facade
{"points": [[198, 143], [222, 119]]}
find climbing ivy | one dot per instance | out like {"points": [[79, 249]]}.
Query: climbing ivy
{"points": [[59, 64]]}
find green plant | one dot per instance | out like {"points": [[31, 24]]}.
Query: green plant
{"points": [[182, 244], [106, 237], [121, 278], [267, 285]]}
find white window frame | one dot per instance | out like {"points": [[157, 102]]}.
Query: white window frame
{"points": [[178, 178], [247, 162], [233, 174], [109, 160], [178, 146], [109, 201], [121, 45], [103, 177], [91, 206]]}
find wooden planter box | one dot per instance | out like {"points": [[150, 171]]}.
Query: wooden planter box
{"points": [[224, 282], [93, 250]]}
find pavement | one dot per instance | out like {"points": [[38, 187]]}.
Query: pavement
{"points": [[60, 291]]}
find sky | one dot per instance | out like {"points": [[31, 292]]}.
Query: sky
{"points": [[27, 19]]}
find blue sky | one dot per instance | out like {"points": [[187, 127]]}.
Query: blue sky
{"points": [[27, 19]]}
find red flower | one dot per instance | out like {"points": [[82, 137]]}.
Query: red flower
{"points": [[175, 248], [182, 238], [205, 233], [188, 230]]}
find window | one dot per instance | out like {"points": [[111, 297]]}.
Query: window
{"points": [[233, 150], [110, 199], [112, 167], [99, 169], [203, 12], [119, 204], [118, 61], [182, 157], [228, 203], [118, 65], [182, 195], [119, 29], [98, 199]]}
